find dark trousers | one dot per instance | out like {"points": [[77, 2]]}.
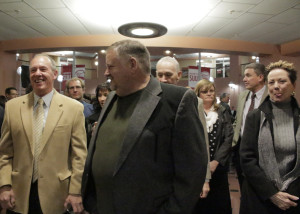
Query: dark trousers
{"points": [[237, 163], [34, 201]]}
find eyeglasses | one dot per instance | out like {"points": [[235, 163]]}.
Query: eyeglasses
{"points": [[206, 91], [73, 87]]}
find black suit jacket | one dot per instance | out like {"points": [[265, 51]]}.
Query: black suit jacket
{"points": [[162, 164]]}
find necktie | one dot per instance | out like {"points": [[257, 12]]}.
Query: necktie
{"points": [[38, 124], [252, 102]]}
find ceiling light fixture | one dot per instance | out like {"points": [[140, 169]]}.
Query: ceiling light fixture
{"points": [[142, 30]]}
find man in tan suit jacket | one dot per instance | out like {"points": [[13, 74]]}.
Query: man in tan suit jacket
{"points": [[62, 148], [254, 80]]}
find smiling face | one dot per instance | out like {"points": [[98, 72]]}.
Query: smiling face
{"points": [[41, 75], [118, 70], [280, 86]]}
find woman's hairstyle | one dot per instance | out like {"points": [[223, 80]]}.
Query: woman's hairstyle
{"points": [[287, 66], [205, 85], [101, 87]]}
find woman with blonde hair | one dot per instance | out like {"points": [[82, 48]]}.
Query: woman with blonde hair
{"points": [[220, 134]]}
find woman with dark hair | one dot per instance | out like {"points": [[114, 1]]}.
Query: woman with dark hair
{"points": [[102, 92], [220, 133], [270, 148]]}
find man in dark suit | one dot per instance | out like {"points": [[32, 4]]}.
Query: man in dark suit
{"points": [[148, 152]]}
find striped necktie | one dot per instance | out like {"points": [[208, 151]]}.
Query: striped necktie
{"points": [[252, 102], [38, 125]]}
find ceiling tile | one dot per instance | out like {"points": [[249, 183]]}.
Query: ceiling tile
{"points": [[18, 9], [287, 17], [229, 10], [243, 1], [38, 4], [282, 35], [259, 30], [274, 6], [13, 29], [63, 19], [209, 26], [43, 26], [241, 24]]}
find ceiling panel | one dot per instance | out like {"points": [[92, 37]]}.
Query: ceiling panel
{"points": [[245, 22], [43, 4], [244, 1], [64, 20], [274, 6], [229, 10], [209, 26], [282, 35], [14, 29], [260, 30], [287, 17], [18, 9], [43, 26]]}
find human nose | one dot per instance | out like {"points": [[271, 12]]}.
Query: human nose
{"points": [[164, 79]]}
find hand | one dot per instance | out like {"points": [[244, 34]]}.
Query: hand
{"points": [[205, 190], [94, 127], [7, 197], [213, 166], [283, 200], [76, 202]]}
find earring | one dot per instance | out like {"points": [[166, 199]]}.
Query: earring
{"points": [[293, 93]]}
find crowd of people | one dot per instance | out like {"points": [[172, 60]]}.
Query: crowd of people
{"points": [[145, 145]]}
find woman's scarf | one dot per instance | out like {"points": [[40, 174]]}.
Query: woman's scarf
{"points": [[211, 118]]}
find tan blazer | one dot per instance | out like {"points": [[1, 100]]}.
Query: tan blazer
{"points": [[239, 113], [63, 152], [203, 121]]}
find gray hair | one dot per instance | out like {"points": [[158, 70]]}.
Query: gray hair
{"points": [[52, 62], [223, 95], [133, 48], [259, 69], [171, 60]]}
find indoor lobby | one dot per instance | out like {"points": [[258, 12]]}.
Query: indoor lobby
{"points": [[221, 36]]}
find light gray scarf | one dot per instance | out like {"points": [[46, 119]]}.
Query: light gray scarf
{"points": [[267, 159]]}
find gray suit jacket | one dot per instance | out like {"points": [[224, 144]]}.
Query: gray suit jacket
{"points": [[163, 160], [239, 114]]}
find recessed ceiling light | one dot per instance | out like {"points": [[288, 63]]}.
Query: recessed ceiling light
{"points": [[167, 51], [103, 51], [142, 30]]}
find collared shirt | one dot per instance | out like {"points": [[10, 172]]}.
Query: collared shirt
{"points": [[259, 94], [47, 101]]}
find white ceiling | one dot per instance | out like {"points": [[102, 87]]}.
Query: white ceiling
{"points": [[266, 21]]}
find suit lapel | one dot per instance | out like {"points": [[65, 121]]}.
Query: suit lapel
{"points": [[27, 117], [139, 118], [243, 102], [54, 113]]}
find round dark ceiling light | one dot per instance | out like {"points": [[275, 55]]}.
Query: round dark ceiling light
{"points": [[142, 30]]}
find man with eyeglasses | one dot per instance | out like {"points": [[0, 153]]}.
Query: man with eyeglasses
{"points": [[11, 93], [75, 87]]}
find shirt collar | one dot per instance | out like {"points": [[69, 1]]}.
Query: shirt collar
{"points": [[259, 93], [47, 98]]}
